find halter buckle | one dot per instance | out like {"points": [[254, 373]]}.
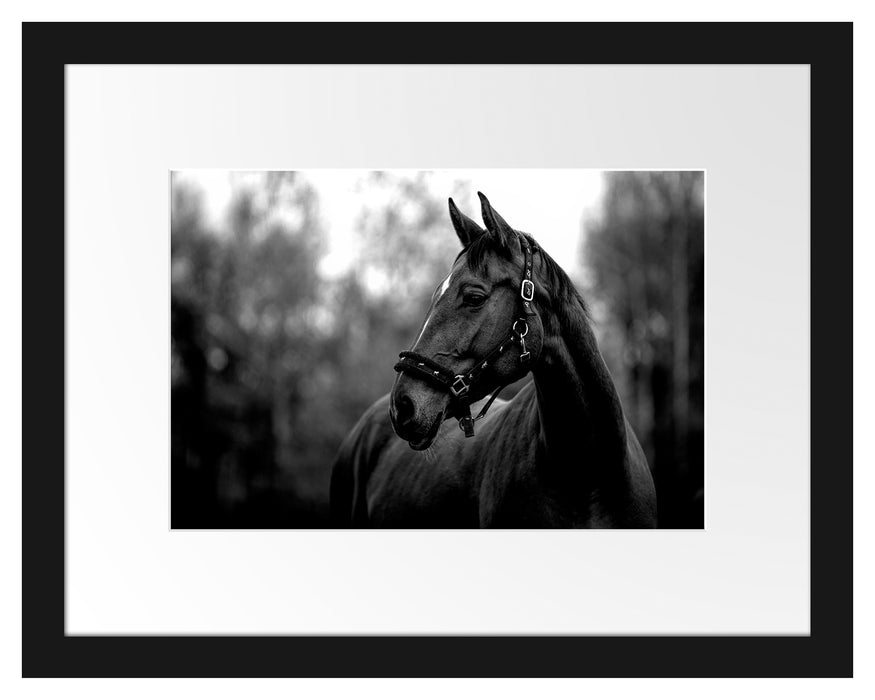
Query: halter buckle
{"points": [[527, 290], [466, 423], [525, 355], [459, 387]]}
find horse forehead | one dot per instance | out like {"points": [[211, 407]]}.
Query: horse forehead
{"points": [[461, 273], [495, 269], [445, 285], [456, 274]]}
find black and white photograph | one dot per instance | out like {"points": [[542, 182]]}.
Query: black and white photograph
{"points": [[437, 349]]}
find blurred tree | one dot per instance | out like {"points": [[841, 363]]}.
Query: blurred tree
{"points": [[407, 244], [241, 339], [645, 257]]}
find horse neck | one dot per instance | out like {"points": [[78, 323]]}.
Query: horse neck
{"points": [[582, 426]]}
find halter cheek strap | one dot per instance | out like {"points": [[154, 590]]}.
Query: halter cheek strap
{"points": [[460, 385]]}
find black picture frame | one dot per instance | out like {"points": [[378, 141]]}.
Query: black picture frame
{"points": [[47, 651]]}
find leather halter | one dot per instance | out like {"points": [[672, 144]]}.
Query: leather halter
{"points": [[460, 385]]}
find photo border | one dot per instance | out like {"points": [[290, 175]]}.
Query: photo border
{"points": [[49, 652]]}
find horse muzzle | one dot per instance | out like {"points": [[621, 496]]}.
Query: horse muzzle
{"points": [[411, 425]]}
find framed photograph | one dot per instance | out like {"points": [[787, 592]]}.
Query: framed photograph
{"points": [[410, 357]]}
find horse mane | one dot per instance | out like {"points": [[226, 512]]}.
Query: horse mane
{"points": [[562, 292]]}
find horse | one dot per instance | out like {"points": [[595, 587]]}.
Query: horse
{"points": [[559, 454]]}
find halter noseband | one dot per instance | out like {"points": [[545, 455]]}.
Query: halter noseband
{"points": [[459, 385]]}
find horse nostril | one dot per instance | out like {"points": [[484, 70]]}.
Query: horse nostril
{"points": [[404, 410]]}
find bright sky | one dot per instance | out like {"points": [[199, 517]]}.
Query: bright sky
{"points": [[549, 204]]}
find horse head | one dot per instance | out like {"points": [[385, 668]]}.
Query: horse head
{"points": [[481, 331]]}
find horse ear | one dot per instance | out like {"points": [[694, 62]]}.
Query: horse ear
{"points": [[467, 229], [497, 226]]}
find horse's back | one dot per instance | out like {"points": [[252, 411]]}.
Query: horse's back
{"points": [[432, 488], [354, 462], [489, 481], [378, 481], [452, 483]]}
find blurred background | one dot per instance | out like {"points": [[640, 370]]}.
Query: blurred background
{"points": [[293, 292]]}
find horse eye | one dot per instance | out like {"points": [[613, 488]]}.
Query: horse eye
{"points": [[473, 299]]}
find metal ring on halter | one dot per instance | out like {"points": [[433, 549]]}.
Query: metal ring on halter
{"points": [[525, 332]]}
